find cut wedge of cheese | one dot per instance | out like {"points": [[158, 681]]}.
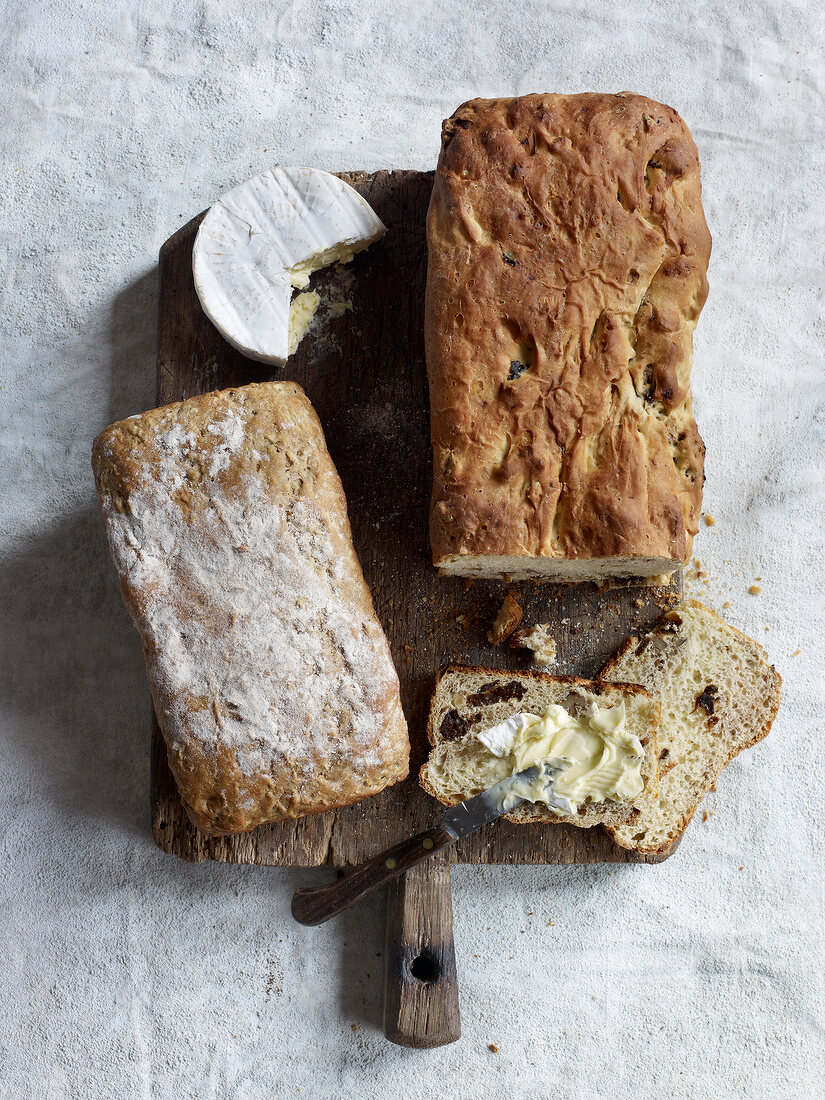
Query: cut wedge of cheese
{"points": [[264, 238]]}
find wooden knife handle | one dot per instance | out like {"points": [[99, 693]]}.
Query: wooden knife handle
{"points": [[314, 905], [420, 983]]}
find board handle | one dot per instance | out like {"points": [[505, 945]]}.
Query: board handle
{"points": [[316, 904], [420, 980]]}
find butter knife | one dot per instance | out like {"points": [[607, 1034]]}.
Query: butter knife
{"points": [[314, 905]]}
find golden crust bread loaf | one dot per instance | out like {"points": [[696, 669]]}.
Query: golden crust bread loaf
{"points": [[271, 676], [568, 253]]}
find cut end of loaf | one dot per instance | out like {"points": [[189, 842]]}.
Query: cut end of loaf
{"points": [[558, 570]]}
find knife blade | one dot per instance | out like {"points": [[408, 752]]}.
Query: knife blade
{"points": [[314, 905], [483, 808]]}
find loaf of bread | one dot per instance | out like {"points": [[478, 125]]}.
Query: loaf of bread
{"points": [[719, 695], [467, 701], [567, 259], [271, 676]]}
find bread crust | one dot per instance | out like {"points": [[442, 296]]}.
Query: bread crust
{"points": [[272, 680], [568, 253], [536, 814], [760, 731]]}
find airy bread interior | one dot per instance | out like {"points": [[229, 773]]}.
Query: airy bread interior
{"points": [[557, 570], [468, 700], [719, 695]]}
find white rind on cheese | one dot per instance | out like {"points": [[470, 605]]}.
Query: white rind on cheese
{"points": [[265, 237]]}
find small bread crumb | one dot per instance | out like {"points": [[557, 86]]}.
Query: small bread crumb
{"points": [[354, 1027], [492, 1047], [709, 520], [726, 603], [508, 618], [540, 640], [754, 590], [705, 816], [796, 654]]}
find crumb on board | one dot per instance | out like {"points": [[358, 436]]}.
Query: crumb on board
{"points": [[506, 621], [492, 1047], [539, 639], [726, 603], [754, 590], [796, 653], [709, 520], [354, 1027]]}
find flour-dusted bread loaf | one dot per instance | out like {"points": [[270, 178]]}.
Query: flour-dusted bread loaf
{"points": [[567, 261], [271, 676], [719, 695], [468, 700]]}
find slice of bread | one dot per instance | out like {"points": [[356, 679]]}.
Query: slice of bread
{"points": [[719, 695], [469, 700]]}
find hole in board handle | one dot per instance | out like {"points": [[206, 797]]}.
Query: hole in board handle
{"points": [[424, 968]]}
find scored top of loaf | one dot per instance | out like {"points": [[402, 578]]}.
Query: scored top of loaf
{"points": [[568, 253], [272, 679]]}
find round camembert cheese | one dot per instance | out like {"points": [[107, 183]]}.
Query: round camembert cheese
{"points": [[263, 239]]}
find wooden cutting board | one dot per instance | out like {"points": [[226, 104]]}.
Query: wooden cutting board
{"points": [[364, 372]]}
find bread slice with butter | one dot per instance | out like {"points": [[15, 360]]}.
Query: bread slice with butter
{"points": [[470, 705], [719, 694]]}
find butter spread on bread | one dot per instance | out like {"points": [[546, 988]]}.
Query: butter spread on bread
{"points": [[598, 742], [568, 253], [587, 757], [271, 676], [266, 237]]}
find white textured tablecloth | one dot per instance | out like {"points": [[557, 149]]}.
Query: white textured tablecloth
{"points": [[126, 973]]}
